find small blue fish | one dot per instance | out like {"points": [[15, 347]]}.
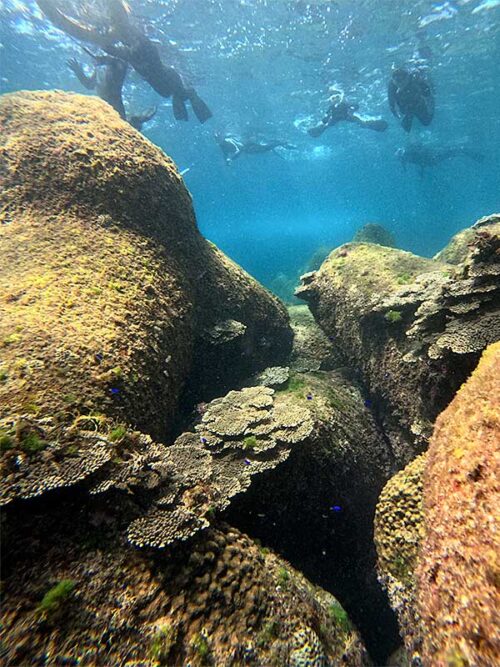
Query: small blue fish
{"points": [[336, 508], [114, 390], [309, 397], [368, 403], [204, 440], [98, 357], [247, 462]]}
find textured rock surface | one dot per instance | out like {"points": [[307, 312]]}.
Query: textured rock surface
{"points": [[312, 350], [399, 529], [459, 247], [374, 233], [458, 573], [109, 294], [325, 463], [415, 328], [221, 600]]}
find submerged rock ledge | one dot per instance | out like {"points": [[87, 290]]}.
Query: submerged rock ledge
{"points": [[124, 542]]}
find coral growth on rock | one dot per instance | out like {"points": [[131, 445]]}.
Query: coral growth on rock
{"points": [[458, 574], [374, 233], [218, 601], [414, 327], [398, 534], [107, 292]]}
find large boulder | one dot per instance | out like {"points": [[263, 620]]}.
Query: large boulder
{"points": [[458, 574], [414, 327], [436, 532], [74, 594], [112, 303]]}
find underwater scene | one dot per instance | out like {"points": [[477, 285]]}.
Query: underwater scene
{"points": [[250, 333]]}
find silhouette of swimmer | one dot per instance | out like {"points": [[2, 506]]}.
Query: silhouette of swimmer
{"points": [[411, 94], [232, 147], [429, 156], [107, 80], [341, 110], [121, 38]]}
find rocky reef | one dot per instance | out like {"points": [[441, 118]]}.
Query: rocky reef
{"points": [[457, 572], [110, 296], [436, 531], [414, 327], [174, 465], [116, 314], [374, 233]]}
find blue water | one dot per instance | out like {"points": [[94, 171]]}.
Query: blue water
{"points": [[267, 66]]}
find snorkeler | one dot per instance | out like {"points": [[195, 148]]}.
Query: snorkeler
{"points": [[232, 147], [121, 38], [341, 110], [429, 156], [411, 94], [107, 80]]}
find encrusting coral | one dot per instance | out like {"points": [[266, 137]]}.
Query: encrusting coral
{"points": [[436, 532], [399, 526], [415, 327], [107, 293], [458, 574], [218, 601]]}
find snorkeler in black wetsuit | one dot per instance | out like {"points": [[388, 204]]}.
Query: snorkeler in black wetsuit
{"points": [[341, 110], [428, 155], [107, 80], [119, 37], [411, 94], [232, 148]]}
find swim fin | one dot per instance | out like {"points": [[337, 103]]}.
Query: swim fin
{"points": [[201, 110], [406, 123], [179, 108], [317, 131], [377, 124]]}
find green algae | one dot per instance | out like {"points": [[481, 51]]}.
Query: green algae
{"points": [[117, 434], [339, 616], [283, 576], [200, 646], [268, 634], [55, 599], [250, 442], [162, 644], [393, 316]]}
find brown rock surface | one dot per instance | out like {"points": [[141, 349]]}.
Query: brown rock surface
{"points": [[221, 600], [399, 526], [108, 293], [458, 573], [413, 327]]}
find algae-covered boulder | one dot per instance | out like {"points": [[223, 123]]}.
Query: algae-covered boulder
{"points": [[75, 595], [399, 526], [458, 248], [414, 327], [110, 297], [309, 462], [436, 532], [374, 233], [312, 350], [458, 573]]}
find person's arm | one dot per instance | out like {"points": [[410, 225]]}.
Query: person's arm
{"points": [[391, 96], [80, 31], [87, 81]]}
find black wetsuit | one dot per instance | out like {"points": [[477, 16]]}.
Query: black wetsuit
{"points": [[430, 156], [410, 94], [119, 37], [232, 148], [107, 80], [344, 111]]}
